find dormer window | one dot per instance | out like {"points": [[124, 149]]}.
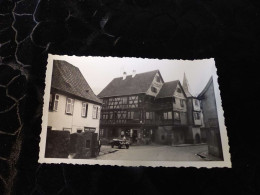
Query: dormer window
{"points": [[153, 89]]}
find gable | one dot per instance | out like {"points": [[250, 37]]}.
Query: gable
{"points": [[179, 92], [156, 85], [68, 79]]}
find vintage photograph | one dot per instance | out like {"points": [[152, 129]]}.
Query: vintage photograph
{"points": [[133, 112]]}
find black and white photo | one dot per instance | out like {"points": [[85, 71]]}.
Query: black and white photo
{"points": [[133, 112]]}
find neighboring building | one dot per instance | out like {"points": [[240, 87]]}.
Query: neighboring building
{"points": [[172, 114], [73, 106], [145, 108], [195, 116], [210, 117]]}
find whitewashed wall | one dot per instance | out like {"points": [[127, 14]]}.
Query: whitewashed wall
{"points": [[59, 119], [155, 84]]}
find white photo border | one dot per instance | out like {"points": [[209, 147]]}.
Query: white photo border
{"points": [[198, 164]]}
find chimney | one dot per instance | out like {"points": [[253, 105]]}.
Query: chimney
{"points": [[134, 73], [124, 75]]}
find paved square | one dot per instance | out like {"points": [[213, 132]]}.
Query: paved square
{"points": [[153, 153]]}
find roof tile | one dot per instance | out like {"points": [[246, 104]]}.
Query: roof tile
{"points": [[68, 78]]}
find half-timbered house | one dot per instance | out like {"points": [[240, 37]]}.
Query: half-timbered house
{"points": [[145, 108], [172, 114], [128, 106]]}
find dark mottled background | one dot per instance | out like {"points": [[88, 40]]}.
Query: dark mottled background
{"points": [[227, 30]]}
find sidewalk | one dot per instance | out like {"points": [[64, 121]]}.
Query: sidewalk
{"points": [[207, 157], [106, 149], [185, 145]]}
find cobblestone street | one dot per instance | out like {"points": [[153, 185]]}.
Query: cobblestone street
{"points": [[153, 153]]}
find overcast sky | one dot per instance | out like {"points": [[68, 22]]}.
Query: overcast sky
{"points": [[99, 71]]}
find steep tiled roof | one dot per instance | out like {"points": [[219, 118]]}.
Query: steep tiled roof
{"points": [[210, 82], [129, 86], [167, 89], [69, 79]]}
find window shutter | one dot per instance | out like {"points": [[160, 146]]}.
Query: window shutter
{"points": [[72, 106], [56, 102], [51, 102], [98, 114], [83, 110], [94, 112], [86, 113]]}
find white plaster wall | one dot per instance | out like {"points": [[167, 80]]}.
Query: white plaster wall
{"points": [[157, 85], [59, 119]]}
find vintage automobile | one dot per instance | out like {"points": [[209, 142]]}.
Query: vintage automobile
{"points": [[120, 143]]}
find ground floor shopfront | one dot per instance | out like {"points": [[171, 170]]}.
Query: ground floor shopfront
{"points": [[165, 135], [136, 134]]}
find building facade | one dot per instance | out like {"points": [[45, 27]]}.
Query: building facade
{"points": [[146, 109], [195, 116], [210, 118], [73, 106]]}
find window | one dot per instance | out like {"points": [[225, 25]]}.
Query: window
{"points": [[101, 132], [130, 115], [56, 101], [105, 102], [124, 100], [149, 115], [177, 116], [153, 89], [136, 115], [111, 115], [69, 106], [53, 102], [196, 115], [84, 110], [50, 102], [182, 103], [167, 115], [105, 115], [178, 90], [95, 112], [174, 101], [196, 102]]}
